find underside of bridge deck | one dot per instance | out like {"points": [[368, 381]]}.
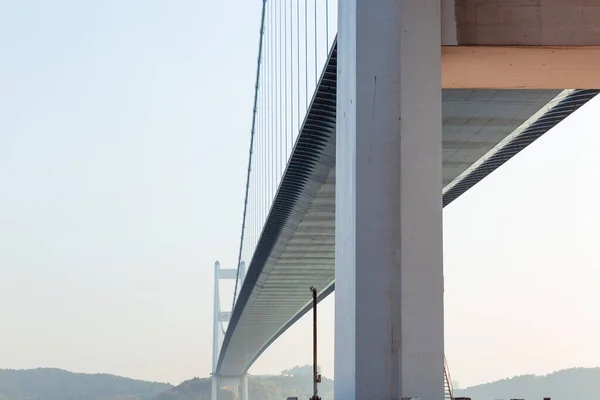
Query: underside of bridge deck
{"points": [[482, 129]]}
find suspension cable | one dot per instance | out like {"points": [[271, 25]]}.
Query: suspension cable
{"points": [[256, 85]]}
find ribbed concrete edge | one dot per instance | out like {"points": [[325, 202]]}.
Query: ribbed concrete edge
{"points": [[309, 165]]}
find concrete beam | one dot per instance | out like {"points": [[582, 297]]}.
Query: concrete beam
{"points": [[528, 22], [490, 67]]}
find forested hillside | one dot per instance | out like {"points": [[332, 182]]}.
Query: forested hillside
{"points": [[56, 384], [569, 384], [259, 387]]}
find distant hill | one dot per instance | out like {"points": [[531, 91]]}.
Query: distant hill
{"points": [[280, 387], [568, 384], [194, 389], [259, 387], [56, 384]]}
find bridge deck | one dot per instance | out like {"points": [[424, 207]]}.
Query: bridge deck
{"points": [[482, 129]]}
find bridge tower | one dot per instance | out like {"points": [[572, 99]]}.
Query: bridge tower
{"points": [[219, 319], [388, 201]]}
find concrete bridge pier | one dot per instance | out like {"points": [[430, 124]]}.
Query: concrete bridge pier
{"points": [[389, 327], [245, 395], [239, 386], [215, 388]]}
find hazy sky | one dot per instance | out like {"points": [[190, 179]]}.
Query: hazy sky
{"points": [[124, 130]]}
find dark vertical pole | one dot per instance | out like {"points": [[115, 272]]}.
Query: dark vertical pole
{"points": [[316, 378]]}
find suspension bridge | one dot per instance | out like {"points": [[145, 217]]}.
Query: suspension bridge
{"points": [[368, 118]]}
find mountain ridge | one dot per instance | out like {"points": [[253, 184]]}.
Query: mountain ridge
{"points": [[576, 383], [58, 384], [79, 373]]}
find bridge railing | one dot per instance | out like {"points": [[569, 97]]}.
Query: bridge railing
{"points": [[295, 40]]}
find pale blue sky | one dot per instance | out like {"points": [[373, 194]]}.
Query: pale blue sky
{"points": [[124, 129]]}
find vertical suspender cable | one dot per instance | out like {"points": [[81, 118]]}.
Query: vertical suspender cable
{"points": [[265, 120], [265, 112], [316, 53], [270, 121], [272, 38], [282, 90], [262, 148], [277, 101], [257, 172], [285, 73], [250, 151], [326, 28], [260, 153], [298, 59], [273, 113], [275, 98], [291, 80], [306, 53], [284, 132], [256, 160]]}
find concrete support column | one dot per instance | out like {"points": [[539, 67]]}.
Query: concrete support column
{"points": [[216, 317], [238, 384], [245, 387], [216, 327], [389, 328], [215, 388]]}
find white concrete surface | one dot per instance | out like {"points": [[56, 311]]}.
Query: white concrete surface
{"points": [[389, 320]]}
